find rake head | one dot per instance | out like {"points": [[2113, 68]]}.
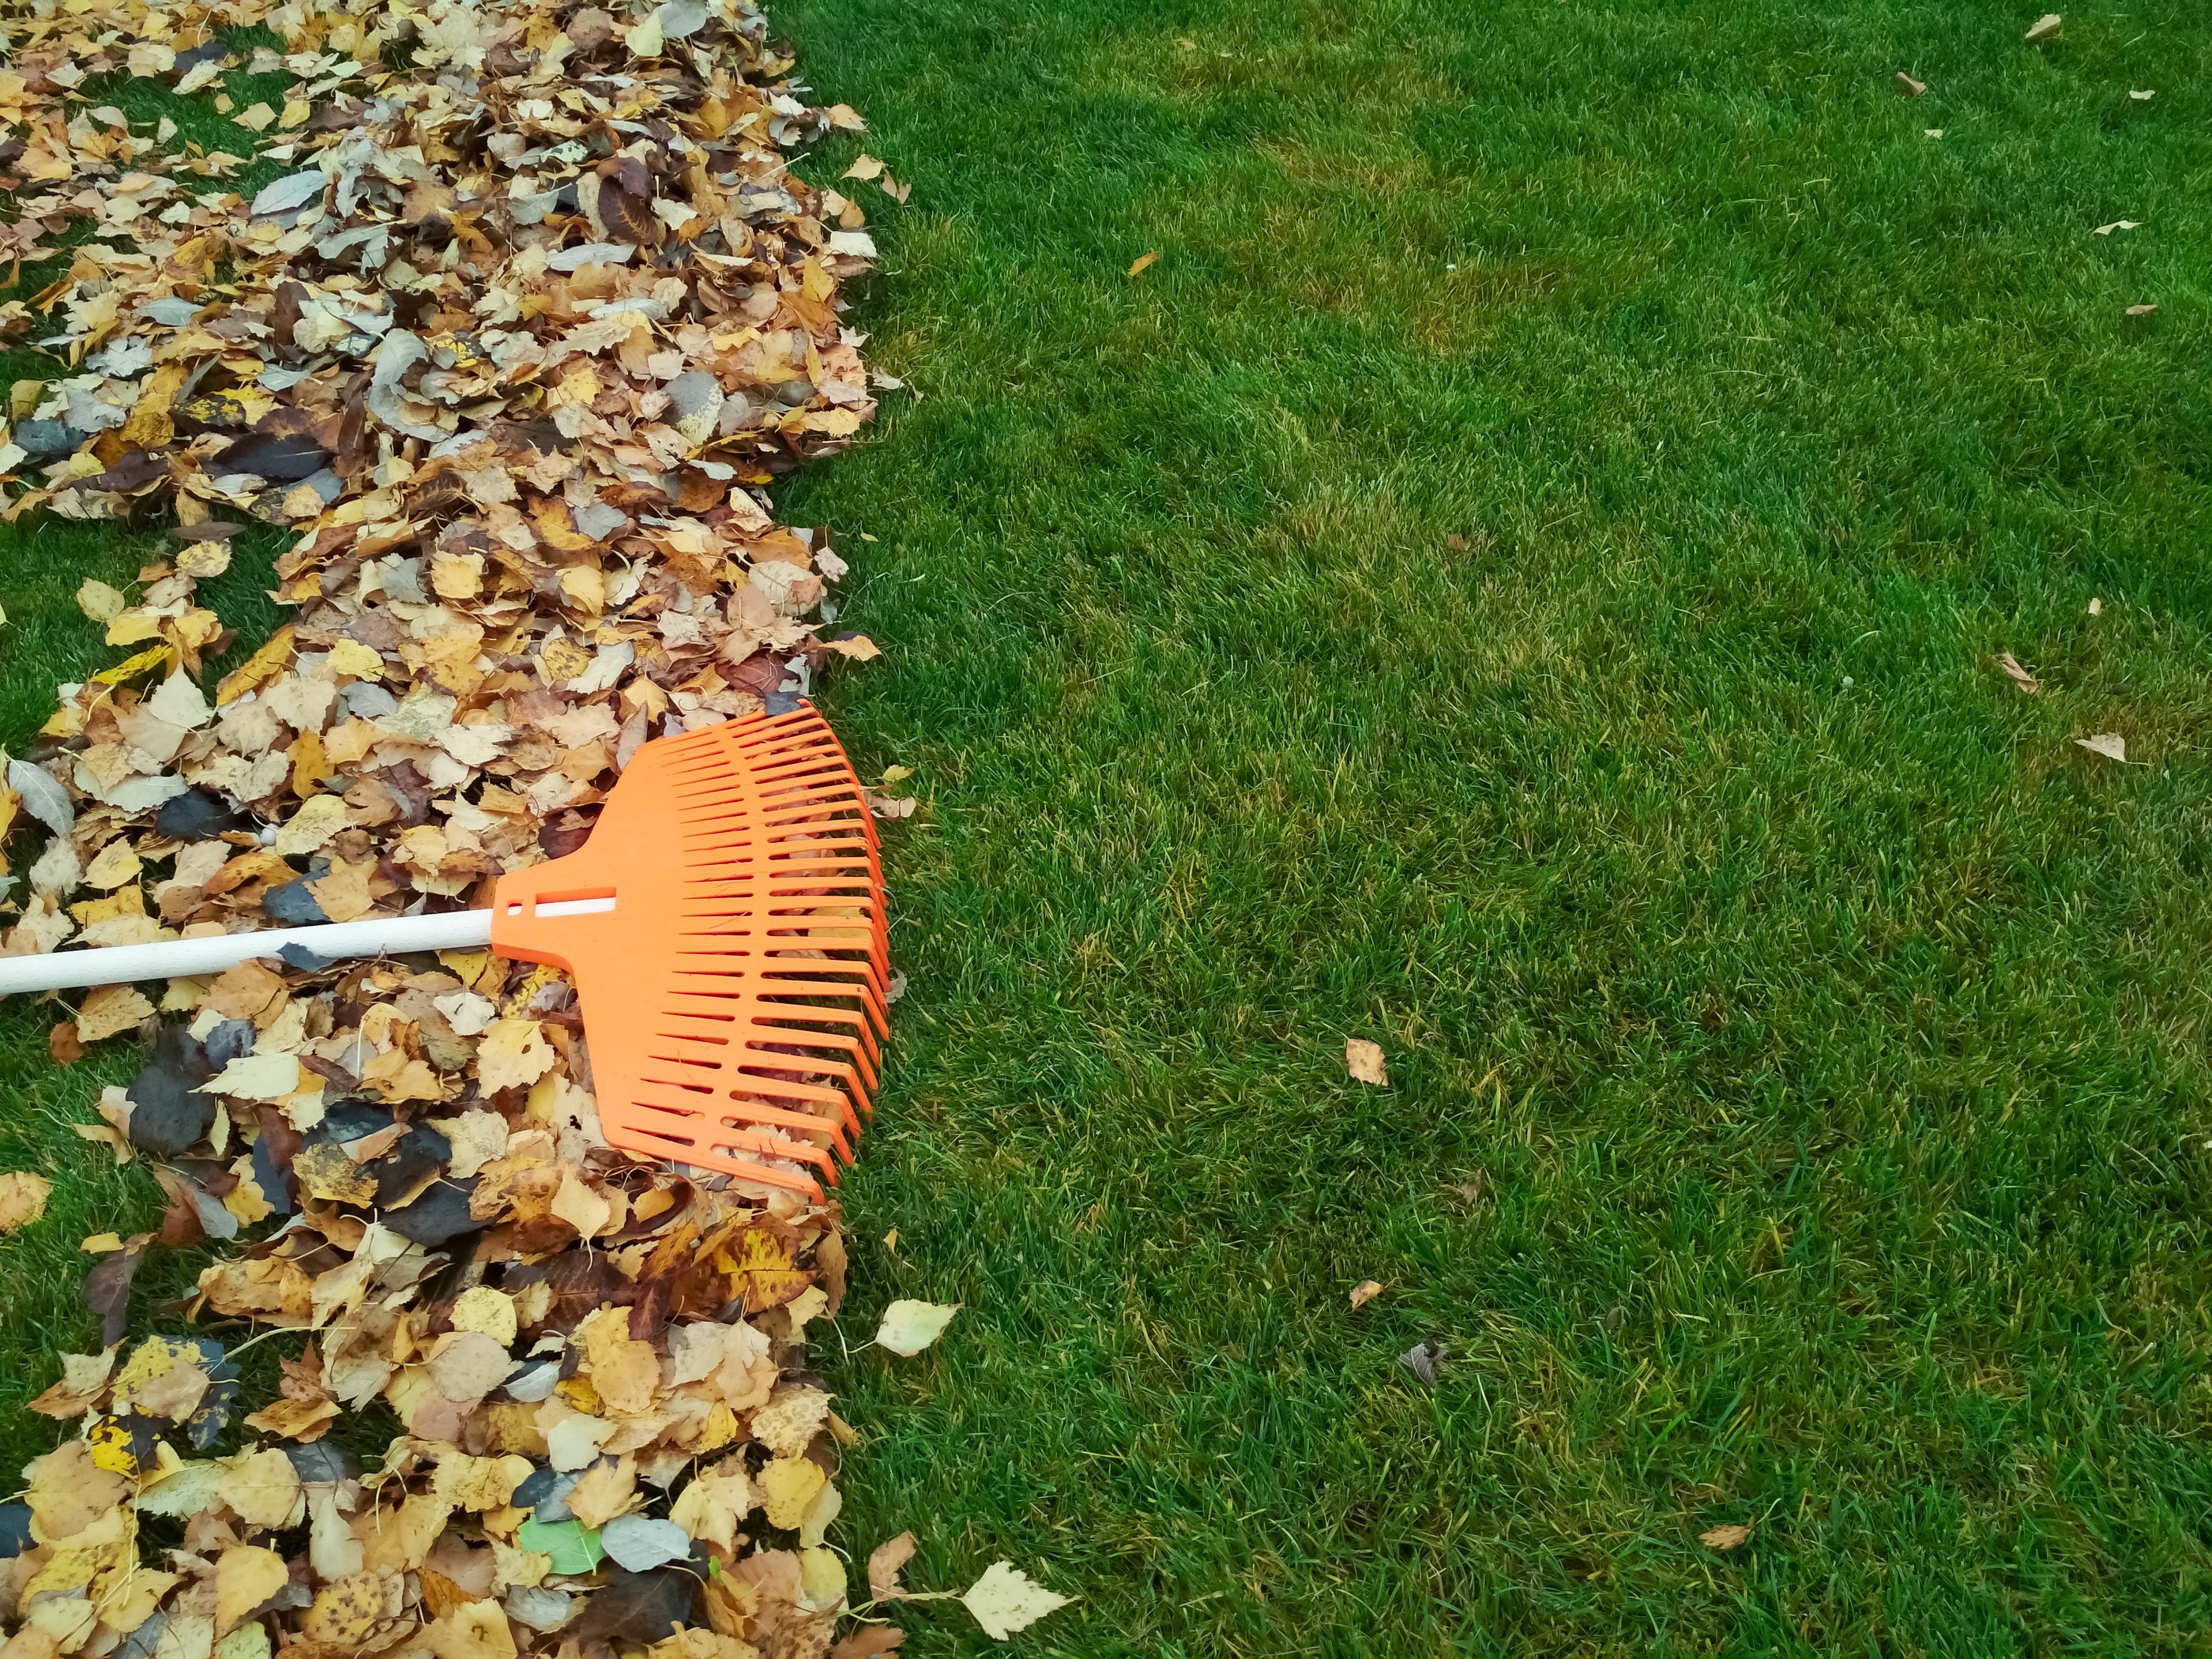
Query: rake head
{"points": [[734, 994]]}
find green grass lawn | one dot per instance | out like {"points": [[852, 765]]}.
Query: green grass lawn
{"points": [[1520, 579]]}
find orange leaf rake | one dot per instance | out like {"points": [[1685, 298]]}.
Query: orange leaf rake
{"points": [[724, 928]]}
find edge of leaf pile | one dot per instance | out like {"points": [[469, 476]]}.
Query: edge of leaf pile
{"points": [[516, 317]]}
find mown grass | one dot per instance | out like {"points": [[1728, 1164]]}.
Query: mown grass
{"points": [[1818, 1032]]}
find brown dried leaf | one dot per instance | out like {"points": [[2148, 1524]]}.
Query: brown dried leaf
{"points": [[107, 1287], [886, 1562], [1364, 1061], [22, 1198]]}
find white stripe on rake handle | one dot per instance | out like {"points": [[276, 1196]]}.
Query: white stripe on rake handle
{"points": [[126, 964]]}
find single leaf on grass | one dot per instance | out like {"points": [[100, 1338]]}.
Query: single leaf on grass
{"points": [[886, 1562], [2141, 311], [2119, 224], [2111, 744], [99, 602], [2044, 27], [1364, 1060], [1728, 1537], [64, 1045], [1365, 1291], [1422, 1359], [22, 1200], [1908, 86], [1144, 262], [907, 1327], [1005, 1600], [2019, 676]]}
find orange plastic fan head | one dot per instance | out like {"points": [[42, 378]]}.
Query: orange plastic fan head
{"points": [[733, 996]]}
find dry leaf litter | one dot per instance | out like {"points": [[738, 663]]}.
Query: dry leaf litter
{"points": [[511, 346]]}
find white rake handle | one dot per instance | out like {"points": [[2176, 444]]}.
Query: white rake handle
{"points": [[126, 964]]}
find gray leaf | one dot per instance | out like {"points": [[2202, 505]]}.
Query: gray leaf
{"points": [[398, 352], [590, 253], [1421, 1359], [539, 1608], [598, 520], [43, 798], [681, 19], [294, 190], [534, 1382], [640, 1543]]}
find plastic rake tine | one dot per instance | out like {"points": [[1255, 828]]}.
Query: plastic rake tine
{"points": [[725, 926]]}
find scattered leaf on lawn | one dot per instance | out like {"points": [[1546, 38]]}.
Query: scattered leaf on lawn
{"points": [[2019, 676], [22, 1200], [2111, 744], [1364, 1060], [1365, 1291], [2119, 224], [909, 1327], [1423, 1359], [2044, 28], [1005, 1600], [1144, 262], [886, 1562], [1728, 1537], [1908, 86]]}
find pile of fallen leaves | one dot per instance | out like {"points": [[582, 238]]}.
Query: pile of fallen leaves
{"points": [[512, 348]]}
